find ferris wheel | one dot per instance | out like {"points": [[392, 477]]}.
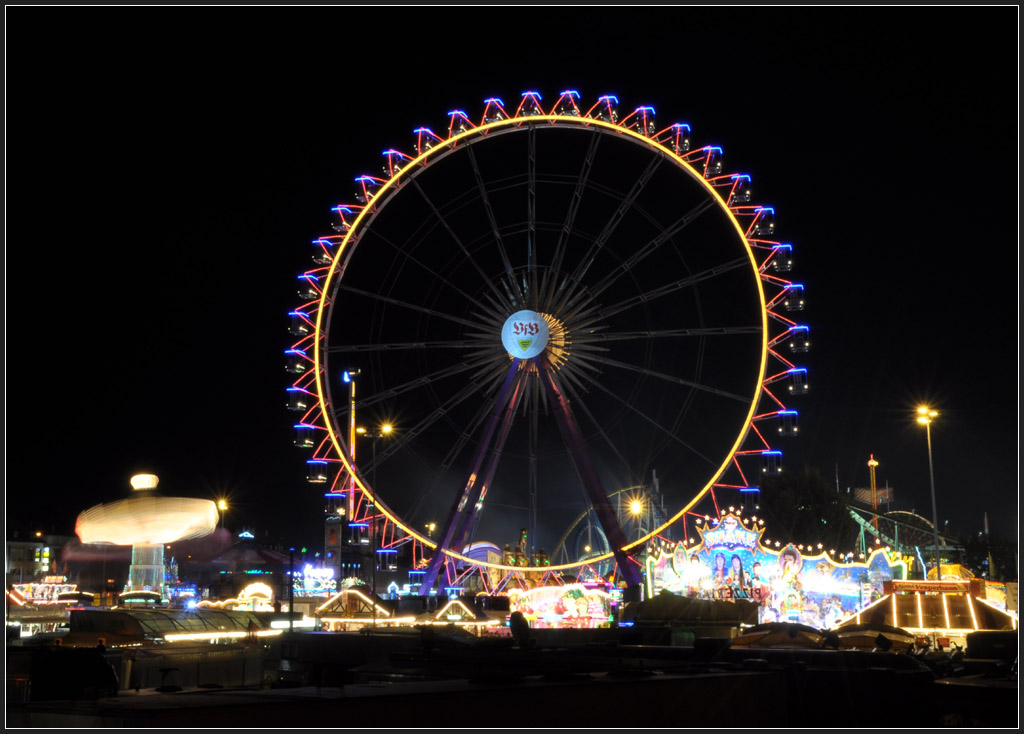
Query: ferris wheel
{"points": [[546, 304]]}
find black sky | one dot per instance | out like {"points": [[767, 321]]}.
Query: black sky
{"points": [[167, 168]]}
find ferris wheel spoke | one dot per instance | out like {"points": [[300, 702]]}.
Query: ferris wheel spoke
{"points": [[633, 409], [405, 304], [655, 293], [485, 278], [464, 506], [423, 266], [499, 243], [440, 412], [596, 495], [465, 433], [598, 244], [667, 378], [423, 381], [567, 225], [581, 404], [398, 346], [531, 214], [647, 250], [610, 336]]}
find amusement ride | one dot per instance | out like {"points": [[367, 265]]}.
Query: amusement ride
{"points": [[579, 325]]}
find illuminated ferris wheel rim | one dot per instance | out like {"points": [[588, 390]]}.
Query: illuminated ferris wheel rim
{"points": [[459, 141]]}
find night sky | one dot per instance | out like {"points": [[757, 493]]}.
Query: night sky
{"points": [[167, 169]]}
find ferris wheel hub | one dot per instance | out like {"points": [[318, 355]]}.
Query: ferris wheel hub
{"points": [[525, 334]]}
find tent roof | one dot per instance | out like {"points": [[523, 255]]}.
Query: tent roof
{"points": [[668, 607]]}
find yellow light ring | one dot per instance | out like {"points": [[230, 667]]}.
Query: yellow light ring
{"points": [[390, 187]]}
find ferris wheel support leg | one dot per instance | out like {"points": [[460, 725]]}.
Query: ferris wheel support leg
{"points": [[598, 498], [457, 518]]}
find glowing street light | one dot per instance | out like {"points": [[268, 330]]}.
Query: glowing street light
{"points": [[382, 432], [925, 416], [222, 508]]}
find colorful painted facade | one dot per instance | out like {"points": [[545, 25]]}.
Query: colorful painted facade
{"points": [[789, 583]]}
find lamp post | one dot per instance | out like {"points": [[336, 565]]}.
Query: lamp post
{"points": [[349, 378], [291, 589], [222, 508], [383, 431], [925, 416]]}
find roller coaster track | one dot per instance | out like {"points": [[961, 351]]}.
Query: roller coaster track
{"points": [[863, 519]]}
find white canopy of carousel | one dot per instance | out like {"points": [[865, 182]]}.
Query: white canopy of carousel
{"points": [[146, 518]]}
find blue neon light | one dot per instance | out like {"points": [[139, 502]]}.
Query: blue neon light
{"points": [[766, 453], [341, 209], [345, 377], [800, 328], [456, 112], [535, 94], [387, 550], [316, 461], [608, 97], [334, 494], [639, 109], [764, 209], [246, 534], [419, 573], [304, 425], [425, 129], [295, 351], [787, 412], [298, 313], [365, 178], [681, 124], [359, 524], [798, 369], [494, 99], [571, 93], [308, 276], [796, 285], [750, 489], [740, 175]]}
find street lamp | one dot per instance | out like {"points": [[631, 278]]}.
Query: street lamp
{"points": [[925, 416], [383, 431]]}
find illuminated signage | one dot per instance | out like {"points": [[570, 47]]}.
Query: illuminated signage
{"points": [[729, 534]]}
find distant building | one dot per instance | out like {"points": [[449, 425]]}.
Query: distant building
{"points": [[32, 559]]}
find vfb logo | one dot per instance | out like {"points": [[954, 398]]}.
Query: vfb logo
{"points": [[524, 334], [525, 328]]}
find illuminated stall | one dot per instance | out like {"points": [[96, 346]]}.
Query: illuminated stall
{"points": [[480, 622], [579, 606], [941, 613], [789, 583], [351, 609]]}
